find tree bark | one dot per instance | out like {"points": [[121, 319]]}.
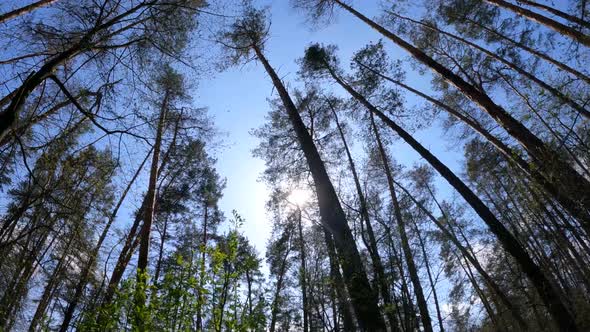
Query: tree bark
{"points": [[364, 299], [544, 20], [24, 10], [373, 250], [544, 286], [574, 105], [401, 228], [144, 242], [555, 188], [545, 158]]}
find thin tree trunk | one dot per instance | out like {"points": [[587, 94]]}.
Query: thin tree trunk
{"points": [[557, 190], [303, 273], [161, 251], [24, 10], [544, 20], [144, 242], [364, 299], [470, 258], [84, 276], [545, 158], [344, 307], [544, 286], [532, 51], [202, 269], [49, 287], [401, 227], [373, 250], [430, 279], [558, 94], [274, 305], [556, 12]]}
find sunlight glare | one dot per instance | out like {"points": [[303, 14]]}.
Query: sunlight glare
{"points": [[299, 196]]}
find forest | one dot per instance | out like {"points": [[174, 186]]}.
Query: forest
{"points": [[426, 165]]}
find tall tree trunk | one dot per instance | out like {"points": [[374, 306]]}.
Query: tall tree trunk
{"points": [[202, 269], [274, 310], [303, 273], [161, 251], [555, 92], [24, 10], [344, 307], [544, 20], [544, 286], [51, 284], [465, 252], [556, 12], [545, 158], [364, 299], [554, 188], [401, 227], [144, 242], [373, 250], [430, 278], [85, 275], [538, 54]]}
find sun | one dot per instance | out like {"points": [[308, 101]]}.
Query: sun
{"points": [[299, 196]]}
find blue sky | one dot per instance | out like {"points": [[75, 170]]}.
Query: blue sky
{"points": [[237, 99]]}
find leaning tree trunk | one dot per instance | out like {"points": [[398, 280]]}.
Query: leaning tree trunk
{"points": [[85, 275], [364, 299], [555, 92], [547, 291], [544, 158], [556, 12], [544, 20], [373, 250], [469, 257], [144, 236], [338, 285], [401, 228], [532, 51], [554, 189], [24, 10]]}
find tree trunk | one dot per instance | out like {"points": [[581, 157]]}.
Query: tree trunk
{"points": [[555, 188], [144, 242], [430, 278], [571, 18], [532, 51], [546, 159], [544, 20], [24, 10], [303, 273], [401, 227], [85, 275], [364, 299], [373, 250], [275, 302], [469, 257], [544, 286], [202, 270], [344, 307], [558, 94]]}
